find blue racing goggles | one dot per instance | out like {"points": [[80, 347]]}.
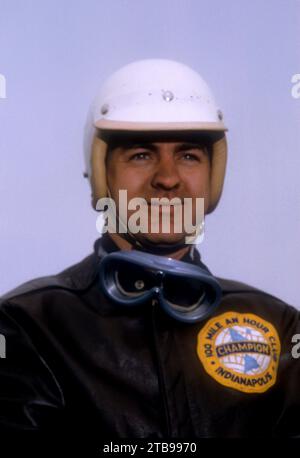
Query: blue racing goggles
{"points": [[186, 292]]}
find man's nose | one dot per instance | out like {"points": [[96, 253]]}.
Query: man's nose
{"points": [[166, 175]]}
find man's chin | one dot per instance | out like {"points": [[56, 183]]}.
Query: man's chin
{"points": [[161, 239]]}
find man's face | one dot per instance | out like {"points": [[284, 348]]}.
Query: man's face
{"points": [[160, 167]]}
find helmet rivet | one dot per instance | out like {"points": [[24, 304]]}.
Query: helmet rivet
{"points": [[220, 115], [104, 109], [168, 96], [139, 284]]}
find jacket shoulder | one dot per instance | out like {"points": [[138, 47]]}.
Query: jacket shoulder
{"points": [[76, 277], [232, 287]]}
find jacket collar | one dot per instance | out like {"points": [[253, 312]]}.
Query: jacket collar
{"points": [[82, 275], [107, 243]]}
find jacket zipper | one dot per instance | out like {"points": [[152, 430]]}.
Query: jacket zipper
{"points": [[161, 377]]}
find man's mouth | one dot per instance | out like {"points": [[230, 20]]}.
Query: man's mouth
{"points": [[158, 202]]}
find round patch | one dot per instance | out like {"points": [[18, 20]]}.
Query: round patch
{"points": [[240, 351]]}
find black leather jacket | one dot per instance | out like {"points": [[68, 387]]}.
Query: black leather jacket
{"points": [[75, 361]]}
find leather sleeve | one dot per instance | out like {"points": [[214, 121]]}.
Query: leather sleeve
{"points": [[30, 396], [288, 423]]}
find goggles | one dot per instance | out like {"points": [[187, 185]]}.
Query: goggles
{"points": [[187, 292]]}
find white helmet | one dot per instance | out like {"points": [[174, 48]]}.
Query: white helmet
{"points": [[153, 95]]}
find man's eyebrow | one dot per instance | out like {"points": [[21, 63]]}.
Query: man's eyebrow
{"points": [[152, 147]]}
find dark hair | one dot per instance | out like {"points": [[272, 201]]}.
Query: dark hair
{"points": [[126, 139]]}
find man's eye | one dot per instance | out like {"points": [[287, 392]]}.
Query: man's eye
{"points": [[140, 156], [191, 157]]}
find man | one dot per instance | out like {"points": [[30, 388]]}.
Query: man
{"points": [[139, 340]]}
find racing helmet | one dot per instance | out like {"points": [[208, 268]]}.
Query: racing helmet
{"points": [[153, 95]]}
